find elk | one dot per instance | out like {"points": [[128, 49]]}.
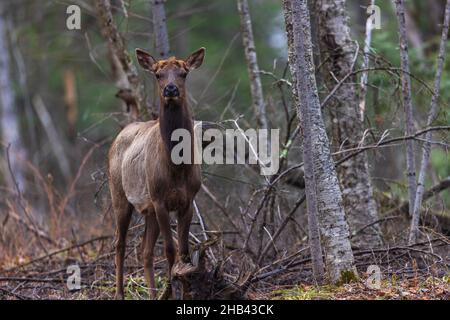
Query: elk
{"points": [[143, 176]]}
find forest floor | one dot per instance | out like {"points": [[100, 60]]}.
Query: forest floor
{"points": [[419, 288], [49, 277]]}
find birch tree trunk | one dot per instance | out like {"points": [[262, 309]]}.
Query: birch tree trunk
{"points": [[259, 105], [407, 104], [339, 52], [310, 192], [160, 29], [333, 226], [127, 80], [365, 65], [304, 117], [10, 118], [426, 147]]}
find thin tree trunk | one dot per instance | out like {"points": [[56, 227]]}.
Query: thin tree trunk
{"points": [[160, 29], [70, 101], [162, 47], [10, 117], [407, 104], [309, 177], [414, 33], [25, 92], [125, 73], [54, 137], [365, 65], [426, 147], [339, 52], [259, 105], [310, 191], [333, 226]]}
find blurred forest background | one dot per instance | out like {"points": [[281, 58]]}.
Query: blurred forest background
{"points": [[66, 115]]}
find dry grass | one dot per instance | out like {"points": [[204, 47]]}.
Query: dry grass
{"points": [[77, 229]]}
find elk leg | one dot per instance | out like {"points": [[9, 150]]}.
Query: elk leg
{"points": [[184, 223], [162, 215], [123, 210], [149, 241]]}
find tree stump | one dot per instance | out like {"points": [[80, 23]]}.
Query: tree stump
{"points": [[194, 281]]}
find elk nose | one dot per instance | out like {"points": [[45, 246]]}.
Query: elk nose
{"points": [[171, 91]]}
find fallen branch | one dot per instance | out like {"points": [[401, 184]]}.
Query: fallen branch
{"points": [[436, 189], [20, 279], [15, 295], [354, 234], [51, 254]]}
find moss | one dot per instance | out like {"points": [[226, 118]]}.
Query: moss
{"points": [[347, 276], [136, 287], [305, 293]]}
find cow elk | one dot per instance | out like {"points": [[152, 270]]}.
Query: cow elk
{"points": [[143, 177]]}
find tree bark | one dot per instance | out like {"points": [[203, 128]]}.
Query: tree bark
{"points": [[53, 136], [426, 147], [10, 118], [365, 65], [407, 103], [333, 226], [259, 105], [70, 102], [160, 29], [339, 52], [125, 73], [162, 47], [414, 34]]}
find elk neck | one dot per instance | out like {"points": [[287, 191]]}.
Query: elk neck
{"points": [[174, 114]]}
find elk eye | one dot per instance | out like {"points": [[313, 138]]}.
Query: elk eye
{"points": [[157, 75], [183, 74]]}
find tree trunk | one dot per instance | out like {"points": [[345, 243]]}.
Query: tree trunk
{"points": [[125, 73], [160, 29], [407, 104], [365, 65], [414, 34], [333, 226], [304, 117], [10, 117], [70, 102], [162, 47], [54, 138], [338, 52], [259, 105], [426, 147]]}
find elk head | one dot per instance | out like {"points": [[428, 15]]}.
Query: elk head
{"points": [[171, 73]]}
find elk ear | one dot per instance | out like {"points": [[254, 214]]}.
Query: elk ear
{"points": [[195, 60], [146, 60]]}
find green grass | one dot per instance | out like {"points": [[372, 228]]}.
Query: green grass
{"points": [[302, 293], [136, 287]]}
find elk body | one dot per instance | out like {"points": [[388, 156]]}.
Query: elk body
{"points": [[142, 175]]}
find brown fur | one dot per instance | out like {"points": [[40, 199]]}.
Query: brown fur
{"points": [[142, 175]]}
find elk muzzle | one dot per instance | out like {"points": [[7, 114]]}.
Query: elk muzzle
{"points": [[171, 91]]}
